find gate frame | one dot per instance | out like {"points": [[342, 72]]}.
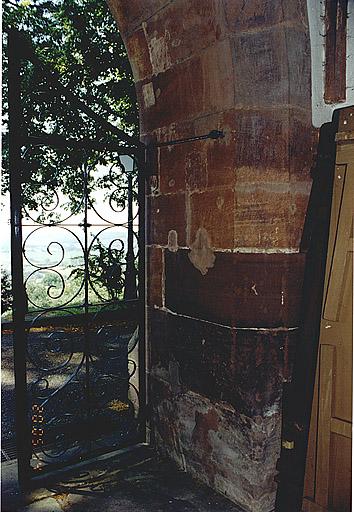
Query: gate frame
{"points": [[20, 49]]}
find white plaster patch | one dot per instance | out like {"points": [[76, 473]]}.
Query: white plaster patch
{"points": [[148, 95], [159, 51], [201, 255], [172, 241]]}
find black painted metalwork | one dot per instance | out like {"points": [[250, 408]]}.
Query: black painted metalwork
{"points": [[79, 344], [298, 394]]}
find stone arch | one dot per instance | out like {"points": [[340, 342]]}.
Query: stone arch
{"points": [[239, 205]]}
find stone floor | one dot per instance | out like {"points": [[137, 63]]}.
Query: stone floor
{"points": [[134, 484]]}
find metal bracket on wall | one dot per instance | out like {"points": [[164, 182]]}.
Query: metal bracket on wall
{"points": [[152, 147]]}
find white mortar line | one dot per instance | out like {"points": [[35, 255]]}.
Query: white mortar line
{"points": [[261, 329]]}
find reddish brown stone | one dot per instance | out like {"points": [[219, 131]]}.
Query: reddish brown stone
{"points": [[166, 213], [244, 368], [138, 53], [262, 216], [242, 463], [196, 168], [171, 169], [298, 57], [183, 165], [154, 276], [260, 59], [253, 14], [222, 161], [302, 142], [298, 209], [241, 290], [202, 26], [130, 15], [274, 70], [259, 14], [213, 211], [195, 87], [261, 142]]}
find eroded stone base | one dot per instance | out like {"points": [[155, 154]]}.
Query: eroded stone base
{"points": [[227, 450]]}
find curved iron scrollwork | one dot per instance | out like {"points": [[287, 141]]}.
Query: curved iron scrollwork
{"points": [[81, 270]]}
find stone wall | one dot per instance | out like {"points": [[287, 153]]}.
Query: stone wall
{"points": [[224, 224]]}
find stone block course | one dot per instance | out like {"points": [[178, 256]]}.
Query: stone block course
{"points": [[201, 28], [203, 84], [258, 14], [240, 290], [262, 216], [155, 276], [261, 142], [138, 53], [244, 368], [183, 166], [166, 213], [211, 440], [132, 14], [219, 344], [260, 59], [213, 211]]}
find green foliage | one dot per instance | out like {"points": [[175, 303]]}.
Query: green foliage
{"points": [[80, 41], [6, 292], [105, 270]]}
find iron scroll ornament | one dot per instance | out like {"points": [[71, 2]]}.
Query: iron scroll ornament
{"points": [[78, 374]]}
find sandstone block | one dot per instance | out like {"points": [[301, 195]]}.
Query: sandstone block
{"points": [[166, 213]]}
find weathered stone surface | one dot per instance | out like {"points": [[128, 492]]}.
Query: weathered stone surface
{"points": [[183, 166], [130, 15], [261, 143], [201, 254], [138, 53], [241, 290], [244, 68], [273, 71], [270, 215], [262, 216], [203, 84], [221, 163], [201, 28], [213, 211], [244, 368], [298, 57], [242, 16], [260, 58], [172, 169], [231, 452], [154, 275], [166, 213], [302, 141]]}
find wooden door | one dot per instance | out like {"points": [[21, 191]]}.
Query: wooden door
{"points": [[328, 471]]}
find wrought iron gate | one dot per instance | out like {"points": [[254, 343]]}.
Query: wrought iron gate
{"points": [[78, 290]]}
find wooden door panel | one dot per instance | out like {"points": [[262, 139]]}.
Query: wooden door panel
{"points": [[328, 470], [340, 482]]}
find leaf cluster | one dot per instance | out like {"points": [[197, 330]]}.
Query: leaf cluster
{"points": [[79, 40], [6, 292], [105, 270]]}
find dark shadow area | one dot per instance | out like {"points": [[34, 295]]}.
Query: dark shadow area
{"points": [[134, 484]]}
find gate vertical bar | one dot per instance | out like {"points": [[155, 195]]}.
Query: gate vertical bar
{"points": [[87, 349], [130, 274], [23, 439], [141, 157]]}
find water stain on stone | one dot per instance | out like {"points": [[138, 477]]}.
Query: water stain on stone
{"points": [[172, 241], [201, 255]]}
